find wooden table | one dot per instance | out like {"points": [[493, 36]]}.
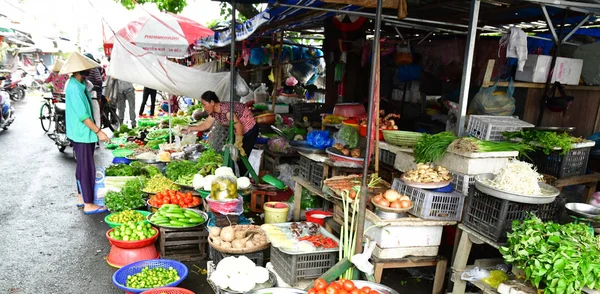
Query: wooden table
{"points": [[271, 160], [439, 262], [590, 181], [304, 184]]}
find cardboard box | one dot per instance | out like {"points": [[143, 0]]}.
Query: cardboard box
{"points": [[566, 71]]}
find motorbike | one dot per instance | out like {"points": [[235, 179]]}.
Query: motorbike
{"points": [[6, 110], [59, 135], [12, 87]]}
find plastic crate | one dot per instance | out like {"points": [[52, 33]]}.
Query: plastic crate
{"points": [[462, 182], [572, 163], [489, 127], [305, 168], [432, 205], [216, 256], [312, 111], [316, 174], [293, 268], [120, 276], [387, 157], [492, 217]]}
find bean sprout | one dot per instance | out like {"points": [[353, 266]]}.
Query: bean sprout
{"points": [[518, 177]]}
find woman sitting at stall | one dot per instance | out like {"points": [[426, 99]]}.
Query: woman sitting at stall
{"points": [[245, 126]]}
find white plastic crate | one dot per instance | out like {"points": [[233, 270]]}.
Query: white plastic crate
{"points": [[489, 127], [394, 236], [461, 182], [431, 205]]}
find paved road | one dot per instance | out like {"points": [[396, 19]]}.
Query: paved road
{"points": [[47, 245]]}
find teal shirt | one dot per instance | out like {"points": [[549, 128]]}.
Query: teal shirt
{"points": [[78, 109]]}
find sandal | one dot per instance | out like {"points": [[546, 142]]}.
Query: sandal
{"points": [[96, 211]]}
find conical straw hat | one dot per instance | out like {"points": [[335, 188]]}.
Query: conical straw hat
{"points": [[76, 63], [57, 65]]}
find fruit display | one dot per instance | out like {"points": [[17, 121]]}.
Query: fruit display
{"points": [[241, 237], [224, 187], [126, 216], [340, 286], [152, 278], [133, 231], [425, 173], [392, 199], [183, 200], [386, 122], [159, 183], [171, 215]]}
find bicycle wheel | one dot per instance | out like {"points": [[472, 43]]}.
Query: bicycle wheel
{"points": [[112, 118], [45, 117]]}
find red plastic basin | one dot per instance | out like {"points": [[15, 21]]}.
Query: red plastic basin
{"points": [[131, 244]]}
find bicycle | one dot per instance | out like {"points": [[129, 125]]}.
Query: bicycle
{"points": [[108, 115], [47, 111]]}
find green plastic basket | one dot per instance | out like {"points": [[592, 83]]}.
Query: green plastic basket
{"points": [[401, 138], [114, 225], [122, 152], [115, 142], [147, 122], [203, 193]]}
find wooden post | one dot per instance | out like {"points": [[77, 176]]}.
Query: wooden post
{"points": [[277, 70]]}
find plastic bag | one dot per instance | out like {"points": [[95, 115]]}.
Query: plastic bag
{"points": [[488, 101], [495, 278], [232, 207], [260, 94], [474, 274], [348, 136], [319, 139], [188, 139]]}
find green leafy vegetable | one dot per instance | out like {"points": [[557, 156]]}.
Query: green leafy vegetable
{"points": [[130, 196], [186, 180], [431, 148], [349, 135], [119, 170], [557, 258], [209, 156], [122, 131], [159, 183], [179, 168], [157, 134], [546, 140]]}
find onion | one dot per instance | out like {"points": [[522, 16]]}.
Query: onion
{"points": [[377, 198], [396, 204], [250, 244], [238, 243], [404, 197], [405, 203], [383, 202], [227, 234], [391, 195], [225, 245], [240, 234], [216, 240], [214, 231]]}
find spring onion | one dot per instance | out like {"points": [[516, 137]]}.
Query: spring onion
{"points": [[431, 148], [517, 177], [474, 145]]}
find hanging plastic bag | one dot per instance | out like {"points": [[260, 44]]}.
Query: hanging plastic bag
{"points": [[488, 101], [319, 139], [260, 94], [403, 56]]}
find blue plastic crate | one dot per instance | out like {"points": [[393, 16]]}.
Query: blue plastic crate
{"points": [[120, 276]]}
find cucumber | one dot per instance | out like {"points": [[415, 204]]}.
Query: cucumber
{"points": [[169, 206], [175, 210], [191, 213], [194, 220], [174, 215], [178, 223]]}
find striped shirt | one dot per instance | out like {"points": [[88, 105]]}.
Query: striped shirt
{"points": [[240, 110]]}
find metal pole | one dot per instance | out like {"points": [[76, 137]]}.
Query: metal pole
{"points": [[584, 20], [552, 64], [360, 226], [468, 66], [232, 86]]}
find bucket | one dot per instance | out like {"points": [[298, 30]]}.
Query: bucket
{"points": [[275, 215], [317, 216]]}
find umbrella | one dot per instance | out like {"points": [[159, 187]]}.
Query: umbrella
{"points": [[163, 34]]}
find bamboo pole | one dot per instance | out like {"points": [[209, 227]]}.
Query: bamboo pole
{"points": [[277, 76]]}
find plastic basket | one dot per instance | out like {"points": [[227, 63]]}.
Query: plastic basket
{"points": [[120, 276], [492, 217], [131, 244], [431, 205], [122, 152], [401, 138], [489, 127], [114, 225], [296, 267], [462, 182], [312, 111], [168, 290], [316, 174], [216, 256], [305, 168], [387, 157], [572, 163]]}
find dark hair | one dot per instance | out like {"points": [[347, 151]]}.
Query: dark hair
{"points": [[209, 96]]}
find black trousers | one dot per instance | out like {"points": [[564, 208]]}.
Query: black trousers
{"points": [[152, 93], [248, 144]]}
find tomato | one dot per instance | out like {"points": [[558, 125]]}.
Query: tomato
{"points": [[321, 292], [320, 284], [331, 290], [367, 289], [342, 291], [355, 291], [312, 291], [373, 292], [336, 285], [348, 285]]}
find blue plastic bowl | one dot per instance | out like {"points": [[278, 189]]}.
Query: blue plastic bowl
{"points": [[120, 276], [118, 160], [447, 189]]}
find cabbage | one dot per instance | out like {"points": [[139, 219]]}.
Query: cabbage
{"points": [[224, 171], [349, 137], [279, 145], [243, 183], [198, 181], [259, 275], [208, 182]]}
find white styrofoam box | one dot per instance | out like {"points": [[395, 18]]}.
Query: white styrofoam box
{"points": [[395, 253], [280, 108], [471, 166], [404, 236], [566, 71]]}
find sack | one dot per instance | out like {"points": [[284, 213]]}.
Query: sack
{"points": [[488, 101]]}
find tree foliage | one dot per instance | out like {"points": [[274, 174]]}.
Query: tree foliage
{"points": [[173, 6]]}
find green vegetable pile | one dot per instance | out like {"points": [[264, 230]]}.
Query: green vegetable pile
{"points": [[154, 144], [133, 231], [126, 216], [173, 216], [470, 144], [152, 278], [557, 258], [156, 134], [125, 131], [186, 180], [136, 168], [130, 196], [431, 148], [159, 183], [192, 108], [179, 168], [209, 161], [546, 140], [349, 135]]}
